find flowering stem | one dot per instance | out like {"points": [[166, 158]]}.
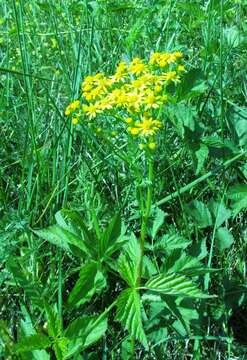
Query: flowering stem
{"points": [[146, 213]]}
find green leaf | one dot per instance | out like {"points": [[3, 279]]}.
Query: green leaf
{"points": [[128, 262], [201, 155], [61, 347], [187, 114], [238, 194], [174, 284], [128, 269], [158, 221], [58, 236], [81, 230], [85, 331], [61, 237], [169, 242], [239, 125], [90, 280], [149, 267], [24, 279], [54, 324], [129, 314], [110, 235], [200, 213], [27, 329], [220, 212], [33, 342], [199, 249], [193, 84], [224, 238]]}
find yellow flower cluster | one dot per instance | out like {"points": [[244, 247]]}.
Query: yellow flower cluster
{"points": [[133, 95]]}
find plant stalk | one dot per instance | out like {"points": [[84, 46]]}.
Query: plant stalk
{"points": [[146, 214]]}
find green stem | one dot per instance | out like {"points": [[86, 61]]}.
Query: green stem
{"points": [[146, 214]]}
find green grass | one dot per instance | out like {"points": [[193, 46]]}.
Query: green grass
{"points": [[46, 164]]}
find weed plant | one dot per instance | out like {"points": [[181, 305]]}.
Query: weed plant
{"points": [[123, 225]]}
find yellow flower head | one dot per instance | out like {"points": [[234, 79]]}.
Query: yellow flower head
{"points": [[75, 121], [151, 101], [147, 127], [91, 110], [152, 145], [133, 130], [137, 66], [72, 107], [180, 68], [135, 90], [171, 76]]}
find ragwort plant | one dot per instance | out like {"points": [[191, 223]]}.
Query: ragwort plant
{"points": [[125, 107]]}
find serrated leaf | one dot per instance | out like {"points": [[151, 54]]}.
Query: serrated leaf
{"points": [[200, 213], [27, 329], [187, 114], [220, 212], [60, 347], [158, 221], [89, 238], [174, 284], [33, 342], [169, 242], [149, 267], [182, 263], [54, 323], [61, 237], [129, 260], [110, 236], [129, 314], [85, 331], [128, 269], [90, 280], [224, 238]]}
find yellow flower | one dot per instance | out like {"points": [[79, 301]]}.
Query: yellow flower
{"points": [[105, 104], [151, 101], [154, 58], [152, 145], [133, 130], [178, 54], [171, 76], [157, 89], [180, 68], [72, 107], [86, 87], [91, 110], [133, 100], [148, 127], [128, 120], [75, 105], [121, 72], [74, 120], [137, 66]]}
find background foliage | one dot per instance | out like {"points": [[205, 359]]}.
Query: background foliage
{"points": [[200, 189]]}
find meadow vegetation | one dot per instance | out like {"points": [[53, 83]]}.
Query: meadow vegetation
{"points": [[123, 179]]}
